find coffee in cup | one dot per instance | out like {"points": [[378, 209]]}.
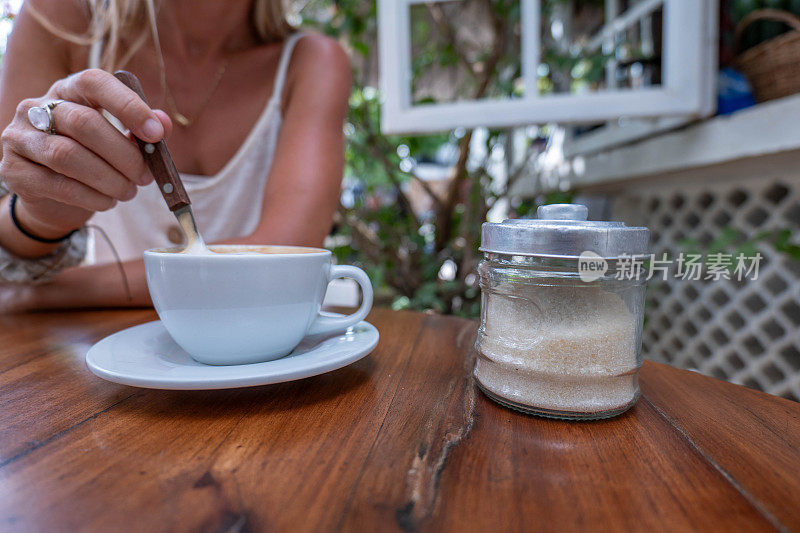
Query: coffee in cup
{"points": [[247, 304]]}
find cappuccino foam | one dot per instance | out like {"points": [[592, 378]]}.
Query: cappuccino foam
{"points": [[235, 249]]}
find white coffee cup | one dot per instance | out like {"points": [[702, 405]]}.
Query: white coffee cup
{"points": [[228, 308]]}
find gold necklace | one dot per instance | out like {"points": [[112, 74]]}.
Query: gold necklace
{"points": [[181, 118]]}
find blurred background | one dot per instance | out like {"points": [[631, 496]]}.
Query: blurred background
{"points": [[680, 115]]}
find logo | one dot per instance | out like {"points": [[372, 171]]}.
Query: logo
{"points": [[591, 267]]}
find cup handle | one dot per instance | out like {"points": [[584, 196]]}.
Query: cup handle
{"points": [[334, 324]]}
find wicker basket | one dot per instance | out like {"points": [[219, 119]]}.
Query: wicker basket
{"points": [[773, 67]]}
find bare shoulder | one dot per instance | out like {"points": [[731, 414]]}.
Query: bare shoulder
{"points": [[319, 51], [320, 62], [66, 15], [35, 56]]}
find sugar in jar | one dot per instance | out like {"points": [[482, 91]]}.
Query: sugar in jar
{"points": [[562, 312]]}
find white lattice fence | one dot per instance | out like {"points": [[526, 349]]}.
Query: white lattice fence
{"points": [[746, 332]]}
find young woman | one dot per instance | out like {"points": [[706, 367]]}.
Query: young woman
{"points": [[252, 112]]}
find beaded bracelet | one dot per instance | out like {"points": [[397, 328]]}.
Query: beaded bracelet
{"points": [[12, 209]]}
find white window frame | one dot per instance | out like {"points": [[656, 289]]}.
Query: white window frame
{"points": [[618, 133], [685, 90]]}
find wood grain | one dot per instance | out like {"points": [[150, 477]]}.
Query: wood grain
{"points": [[399, 441], [44, 388], [751, 437]]}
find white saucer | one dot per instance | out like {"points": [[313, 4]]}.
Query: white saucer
{"points": [[146, 356]]}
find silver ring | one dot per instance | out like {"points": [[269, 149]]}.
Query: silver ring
{"points": [[41, 117]]}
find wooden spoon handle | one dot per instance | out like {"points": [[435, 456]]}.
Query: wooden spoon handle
{"points": [[157, 156]]}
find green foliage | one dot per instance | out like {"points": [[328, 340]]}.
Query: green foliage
{"points": [[584, 69], [402, 246], [425, 258]]}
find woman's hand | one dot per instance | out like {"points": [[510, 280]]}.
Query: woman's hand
{"points": [[88, 166]]}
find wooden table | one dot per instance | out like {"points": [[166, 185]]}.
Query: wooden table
{"points": [[401, 440]]}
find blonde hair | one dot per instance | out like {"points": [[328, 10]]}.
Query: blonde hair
{"points": [[123, 26]]}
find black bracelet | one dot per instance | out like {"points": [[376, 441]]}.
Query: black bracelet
{"points": [[12, 208]]}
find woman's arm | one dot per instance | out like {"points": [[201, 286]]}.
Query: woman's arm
{"points": [[82, 287], [51, 173], [305, 180], [299, 201], [34, 59], [88, 166]]}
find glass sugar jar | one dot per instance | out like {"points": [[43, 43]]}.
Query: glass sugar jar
{"points": [[561, 314]]}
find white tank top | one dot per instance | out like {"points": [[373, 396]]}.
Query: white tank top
{"points": [[237, 190]]}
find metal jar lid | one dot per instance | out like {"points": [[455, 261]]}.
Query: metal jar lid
{"points": [[561, 230]]}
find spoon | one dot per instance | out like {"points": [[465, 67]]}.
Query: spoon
{"points": [[159, 160]]}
